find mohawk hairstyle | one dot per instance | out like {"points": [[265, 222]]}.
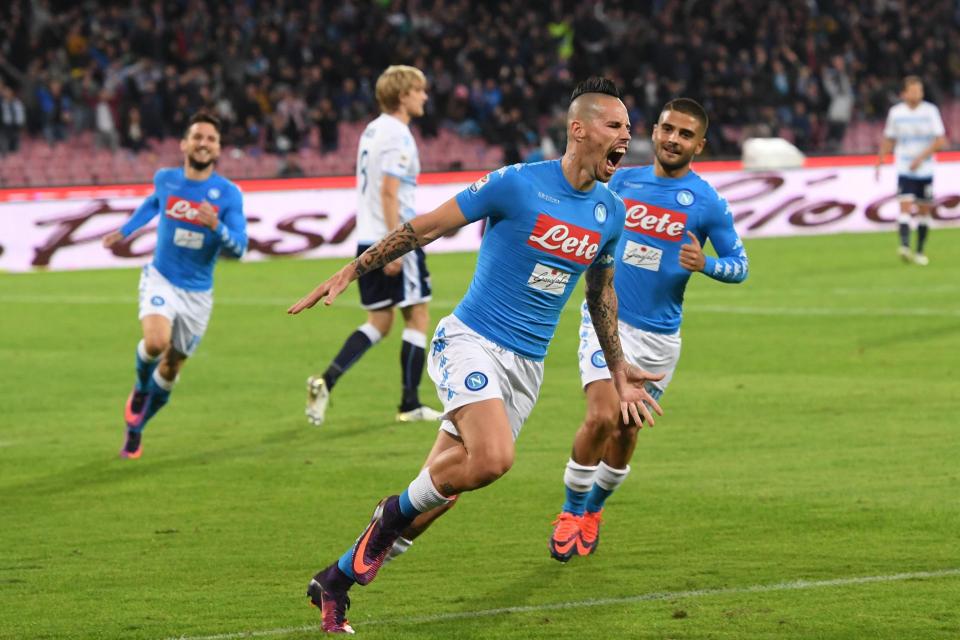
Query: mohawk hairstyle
{"points": [[595, 84]]}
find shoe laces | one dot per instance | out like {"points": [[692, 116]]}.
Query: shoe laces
{"points": [[591, 524], [567, 525]]}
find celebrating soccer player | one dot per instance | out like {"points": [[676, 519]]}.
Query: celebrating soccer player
{"points": [[387, 169], [202, 214], [914, 131], [547, 223], [671, 212]]}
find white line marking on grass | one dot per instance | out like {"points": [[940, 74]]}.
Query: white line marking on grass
{"points": [[282, 303], [824, 311], [794, 585]]}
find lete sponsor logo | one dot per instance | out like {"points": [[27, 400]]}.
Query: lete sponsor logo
{"points": [[564, 240], [651, 220], [182, 209]]}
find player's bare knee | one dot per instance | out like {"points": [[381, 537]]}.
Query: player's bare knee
{"points": [[601, 422], [155, 345], [492, 466]]}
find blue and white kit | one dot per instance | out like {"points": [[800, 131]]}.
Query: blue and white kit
{"points": [[178, 283], [649, 280], [541, 234]]}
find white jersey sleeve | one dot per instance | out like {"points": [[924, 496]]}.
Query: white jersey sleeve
{"points": [[387, 148]]}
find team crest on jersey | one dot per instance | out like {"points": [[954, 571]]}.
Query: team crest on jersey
{"points": [[598, 360], [479, 184], [213, 193], [685, 198], [600, 213], [476, 381]]}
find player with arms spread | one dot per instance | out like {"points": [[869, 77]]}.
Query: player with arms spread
{"points": [[667, 204], [202, 215], [547, 224]]}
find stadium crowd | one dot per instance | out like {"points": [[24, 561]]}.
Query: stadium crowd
{"points": [[284, 74]]}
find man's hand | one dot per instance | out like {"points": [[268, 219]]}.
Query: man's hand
{"points": [[111, 239], [393, 268], [916, 163], [635, 400], [691, 255], [207, 216], [329, 289]]}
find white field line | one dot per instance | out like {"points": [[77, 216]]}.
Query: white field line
{"points": [[793, 585], [283, 303]]}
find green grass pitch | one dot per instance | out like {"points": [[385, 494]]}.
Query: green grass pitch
{"points": [[804, 482]]}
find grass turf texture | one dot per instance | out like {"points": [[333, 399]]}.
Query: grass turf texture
{"points": [[811, 434]]}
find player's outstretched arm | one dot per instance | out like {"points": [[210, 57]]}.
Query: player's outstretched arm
{"points": [[419, 232], [635, 401]]}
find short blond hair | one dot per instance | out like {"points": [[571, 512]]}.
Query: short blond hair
{"points": [[397, 80]]}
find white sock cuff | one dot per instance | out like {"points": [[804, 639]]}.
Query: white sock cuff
{"points": [[903, 218], [163, 383], [371, 332], [609, 478], [423, 494], [142, 352], [579, 477], [923, 219], [416, 338]]}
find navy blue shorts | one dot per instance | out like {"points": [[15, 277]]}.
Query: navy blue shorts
{"points": [[411, 286], [919, 189]]}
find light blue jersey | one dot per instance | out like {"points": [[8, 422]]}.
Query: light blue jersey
{"points": [[186, 250], [541, 234], [649, 279]]}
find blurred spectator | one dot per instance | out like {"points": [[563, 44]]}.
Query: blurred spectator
{"points": [[105, 119], [13, 118], [286, 75], [134, 137]]}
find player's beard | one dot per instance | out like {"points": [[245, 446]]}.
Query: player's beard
{"points": [[198, 165], [674, 165]]}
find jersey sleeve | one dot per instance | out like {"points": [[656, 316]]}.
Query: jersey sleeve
{"points": [[938, 128], [495, 195], [232, 228], [731, 264], [396, 157], [146, 212]]}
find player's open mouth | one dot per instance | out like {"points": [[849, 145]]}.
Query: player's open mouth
{"points": [[614, 157]]}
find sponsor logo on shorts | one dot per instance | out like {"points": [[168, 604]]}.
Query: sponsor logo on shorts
{"points": [[185, 210], [651, 220], [598, 360], [476, 381], [564, 240], [549, 279], [157, 301], [643, 256]]}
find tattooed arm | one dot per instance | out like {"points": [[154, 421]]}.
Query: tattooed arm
{"points": [[635, 401], [419, 232]]}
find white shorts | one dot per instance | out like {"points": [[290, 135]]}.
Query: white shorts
{"points": [[653, 352], [187, 311], [468, 368]]}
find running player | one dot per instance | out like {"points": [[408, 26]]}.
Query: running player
{"points": [[547, 223], [387, 169], [202, 215], [667, 204], [914, 131]]}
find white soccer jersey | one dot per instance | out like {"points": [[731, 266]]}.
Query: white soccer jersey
{"points": [[386, 148], [913, 130]]}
